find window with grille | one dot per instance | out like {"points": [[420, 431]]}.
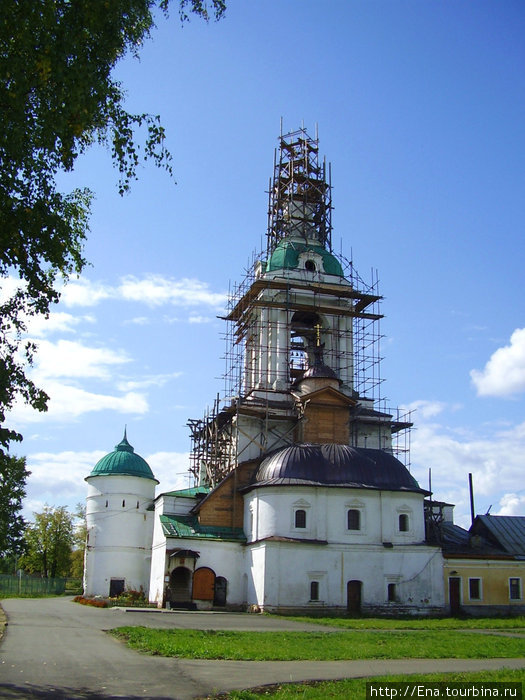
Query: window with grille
{"points": [[474, 588], [515, 588], [353, 519], [300, 518], [403, 522]]}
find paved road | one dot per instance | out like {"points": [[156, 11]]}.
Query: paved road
{"points": [[56, 649]]}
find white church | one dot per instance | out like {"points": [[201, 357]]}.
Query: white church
{"points": [[300, 501]]}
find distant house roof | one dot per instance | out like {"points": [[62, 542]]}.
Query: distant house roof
{"points": [[455, 538], [489, 536], [188, 527], [505, 531]]}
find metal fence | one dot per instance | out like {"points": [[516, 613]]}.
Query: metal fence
{"points": [[28, 585]]}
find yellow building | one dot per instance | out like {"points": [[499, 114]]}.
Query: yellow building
{"points": [[484, 567]]}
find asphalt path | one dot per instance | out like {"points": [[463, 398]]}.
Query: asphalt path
{"points": [[53, 648]]}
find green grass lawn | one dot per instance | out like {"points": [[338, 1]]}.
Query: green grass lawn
{"points": [[355, 688], [288, 646], [425, 623]]}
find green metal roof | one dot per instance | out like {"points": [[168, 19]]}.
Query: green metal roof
{"points": [[189, 493], [123, 461], [286, 256], [188, 527]]}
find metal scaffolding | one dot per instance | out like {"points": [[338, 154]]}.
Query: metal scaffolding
{"points": [[263, 309]]}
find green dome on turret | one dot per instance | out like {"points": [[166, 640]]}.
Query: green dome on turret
{"points": [[123, 461], [286, 255]]}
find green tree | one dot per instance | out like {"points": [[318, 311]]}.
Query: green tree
{"points": [[13, 476], [58, 97], [79, 542], [49, 542]]}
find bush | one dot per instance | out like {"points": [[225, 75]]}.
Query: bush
{"points": [[95, 602]]}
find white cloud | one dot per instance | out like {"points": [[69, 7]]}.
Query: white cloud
{"points": [[156, 290], [425, 409], [504, 373], [57, 479], [67, 358], [153, 290], [67, 403], [511, 504], [200, 319], [171, 469], [84, 292], [64, 470], [57, 322], [495, 459], [152, 380]]}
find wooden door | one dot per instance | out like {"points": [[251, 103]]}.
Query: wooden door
{"points": [[204, 584], [454, 594], [353, 596]]}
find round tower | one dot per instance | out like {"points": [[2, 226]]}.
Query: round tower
{"points": [[119, 520]]}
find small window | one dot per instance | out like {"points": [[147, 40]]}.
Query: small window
{"points": [[392, 593], [300, 518], [137, 504], [123, 504], [314, 590], [310, 265], [353, 518], [403, 522], [515, 588], [474, 588], [107, 503]]}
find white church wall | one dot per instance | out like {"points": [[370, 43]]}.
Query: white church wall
{"points": [[270, 511], [291, 569]]}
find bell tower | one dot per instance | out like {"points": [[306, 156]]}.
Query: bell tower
{"points": [[302, 331]]}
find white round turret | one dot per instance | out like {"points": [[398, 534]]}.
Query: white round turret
{"points": [[119, 520]]}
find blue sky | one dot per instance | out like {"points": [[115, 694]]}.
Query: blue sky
{"points": [[420, 107]]}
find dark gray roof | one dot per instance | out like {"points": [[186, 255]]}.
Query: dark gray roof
{"points": [[335, 465], [454, 537], [507, 531]]}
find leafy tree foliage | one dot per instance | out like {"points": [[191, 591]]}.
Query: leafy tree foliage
{"points": [[79, 542], [13, 476], [57, 97], [49, 542]]}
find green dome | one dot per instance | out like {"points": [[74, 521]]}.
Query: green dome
{"points": [[286, 256], [123, 461]]}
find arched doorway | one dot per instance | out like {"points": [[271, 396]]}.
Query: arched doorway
{"points": [[179, 588], [221, 585], [353, 596]]}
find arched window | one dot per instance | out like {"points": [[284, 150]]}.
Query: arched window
{"points": [[353, 519], [300, 518], [310, 265], [403, 522]]}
